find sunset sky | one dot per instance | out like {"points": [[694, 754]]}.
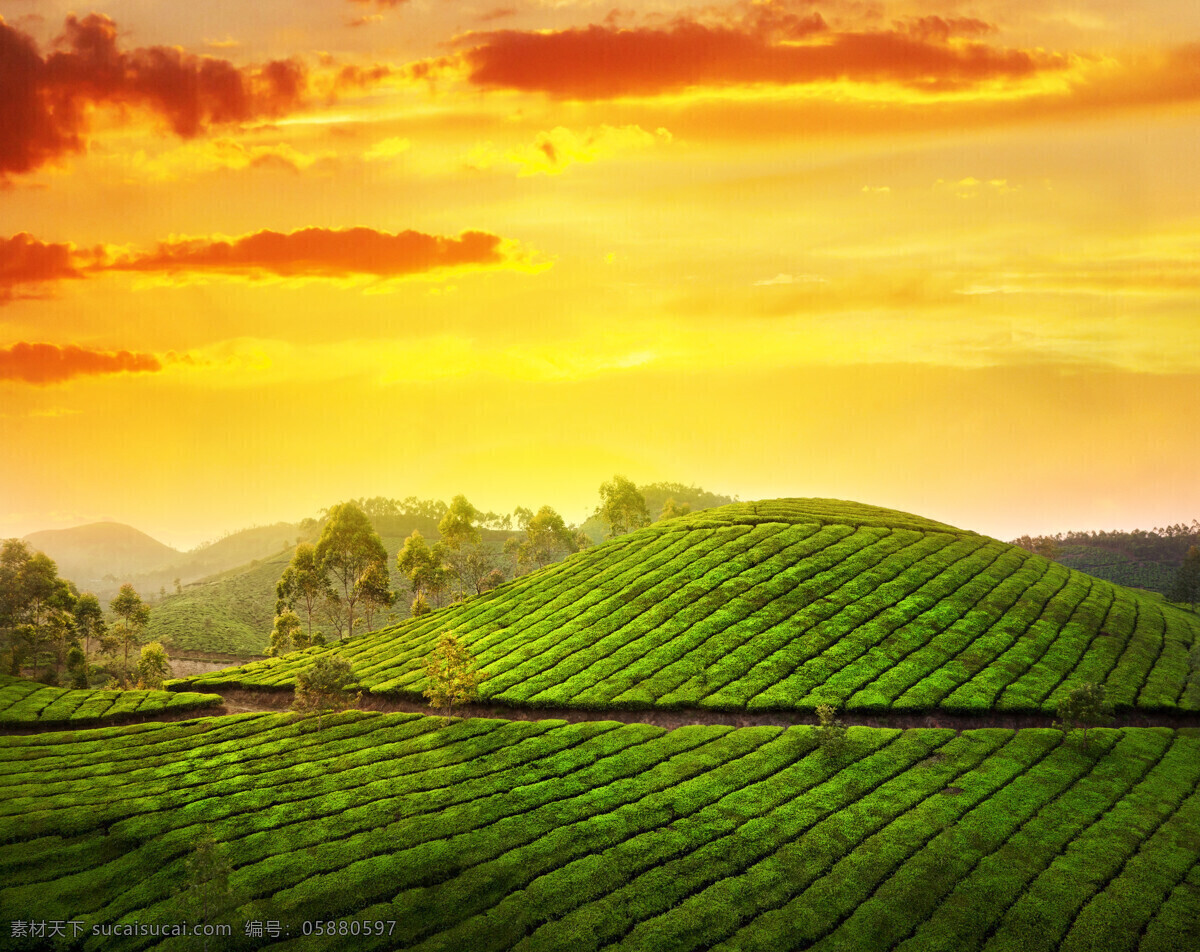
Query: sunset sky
{"points": [[259, 257]]}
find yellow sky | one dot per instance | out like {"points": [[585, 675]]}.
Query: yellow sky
{"points": [[938, 256]]}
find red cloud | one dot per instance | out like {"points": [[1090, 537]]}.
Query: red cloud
{"points": [[26, 261], [47, 363], [320, 252], [45, 99], [599, 62]]}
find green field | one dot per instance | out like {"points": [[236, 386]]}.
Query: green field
{"points": [[784, 605], [28, 702], [487, 835]]}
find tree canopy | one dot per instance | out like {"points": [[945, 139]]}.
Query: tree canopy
{"points": [[622, 506], [348, 549]]}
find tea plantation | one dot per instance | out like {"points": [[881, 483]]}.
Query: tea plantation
{"points": [[785, 605], [27, 702], [403, 831]]}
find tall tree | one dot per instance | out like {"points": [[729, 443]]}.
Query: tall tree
{"points": [[375, 592], [89, 620], [348, 548], [464, 554], [423, 567], [622, 506], [672, 509], [303, 584], [1187, 582], [134, 614], [547, 539], [35, 606]]}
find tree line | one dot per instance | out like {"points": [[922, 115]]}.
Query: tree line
{"points": [[343, 580], [60, 635]]}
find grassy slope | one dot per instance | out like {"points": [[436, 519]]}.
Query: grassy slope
{"points": [[28, 702], [789, 604], [1119, 568], [490, 835]]}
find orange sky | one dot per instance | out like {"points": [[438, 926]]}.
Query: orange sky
{"points": [[257, 258]]}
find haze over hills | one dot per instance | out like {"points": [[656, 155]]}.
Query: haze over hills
{"points": [[101, 556]]}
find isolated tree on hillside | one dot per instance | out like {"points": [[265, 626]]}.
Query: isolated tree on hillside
{"points": [[348, 549], [303, 584], [134, 615], [35, 604], [1187, 581], [153, 667], [453, 676], [467, 559], [323, 687], [1084, 708], [622, 507]]}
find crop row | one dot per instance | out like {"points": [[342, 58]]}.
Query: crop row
{"points": [[724, 614], [28, 702], [494, 835]]}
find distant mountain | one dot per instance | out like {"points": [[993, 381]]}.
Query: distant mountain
{"points": [[87, 554]]}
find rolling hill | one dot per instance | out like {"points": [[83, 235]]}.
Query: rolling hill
{"points": [[784, 605], [86, 554], [391, 831]]}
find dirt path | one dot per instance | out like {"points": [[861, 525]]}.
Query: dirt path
{"points": [[242, 701], [238, 700]]}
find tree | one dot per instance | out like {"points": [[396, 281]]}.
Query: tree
{"points": [[35, 606], [286, 635], [135, 615], [1084, 708], [375, 592], [178, 586], [453, 677], [89, 620], [322, 687], [547, 539], [153, 666], [303, 584], [1187, 582], [672, 509], [832, 735], [423, 567], [348, 549], [457, 527], [622, 507]]}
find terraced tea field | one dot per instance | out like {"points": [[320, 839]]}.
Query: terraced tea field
{"points": [[27, 703], [402, 831], [784, 605]]}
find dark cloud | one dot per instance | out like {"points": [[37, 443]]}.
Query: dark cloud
{"points": [[26, 264], [45, 99], [48, 363]]}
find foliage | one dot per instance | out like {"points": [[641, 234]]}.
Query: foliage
{"points": [[153, 666], [547, 539], [600, 834], [458, 525], [622, 506], [134, 615], [673, 510], [287, 635], [23, 702], [832, 735], [89, 620], [303, 583], [787, 604], [35, 608], [206, 892], [349, 550], [1186, 587], [322, 687], [423, 567], [1085, 707], [452, 675], [692, 497]]}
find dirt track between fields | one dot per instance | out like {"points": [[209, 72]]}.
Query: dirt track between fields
{"points": [[242, 701]]}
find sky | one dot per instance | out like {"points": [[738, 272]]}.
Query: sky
{"points": [[934, 255]]}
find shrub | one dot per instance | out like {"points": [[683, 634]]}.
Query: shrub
{"points": [[831, 733]]}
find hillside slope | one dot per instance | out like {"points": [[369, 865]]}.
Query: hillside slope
{"points": [[86, 554], [385, 831], [787, 604]]}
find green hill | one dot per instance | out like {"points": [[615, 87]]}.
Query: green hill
{"points": [[389, 831], [86, 554], [787, 604], [28, 702]]}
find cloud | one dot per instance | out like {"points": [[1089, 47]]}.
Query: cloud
{"points": [[766, 43], [27, 264], [553, 152], [46, 101], [43, 364], [324, 253]]}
